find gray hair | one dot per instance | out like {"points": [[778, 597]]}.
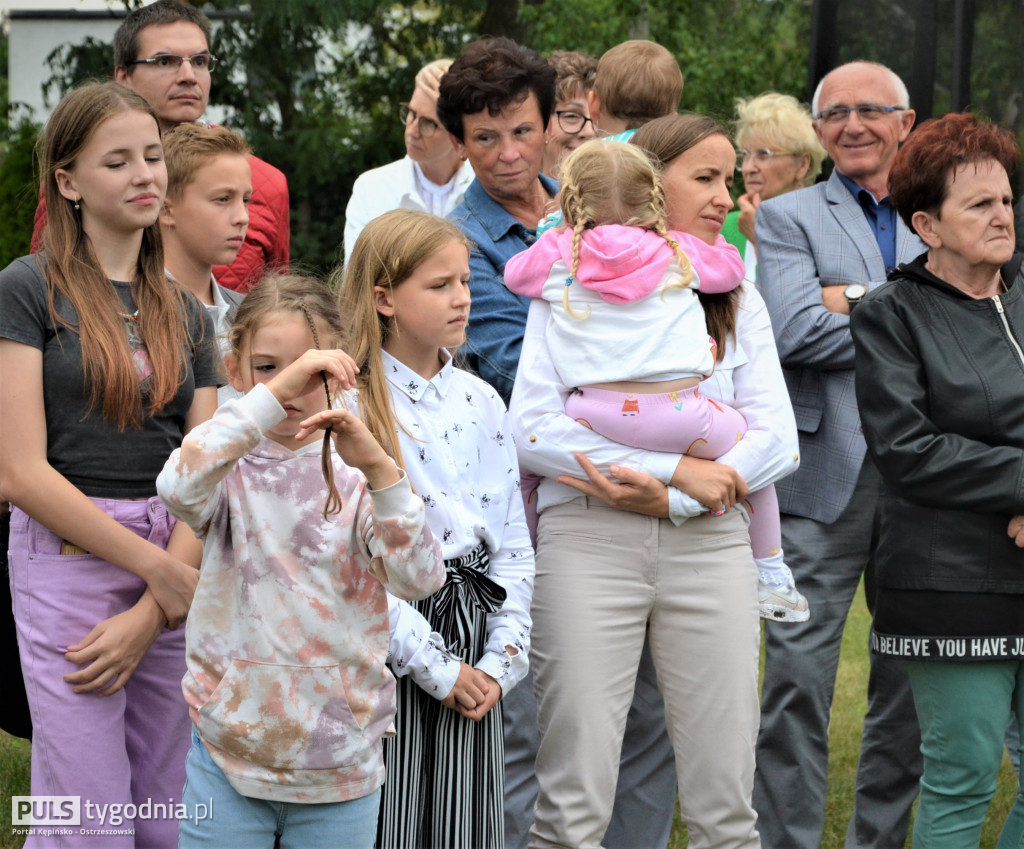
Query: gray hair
{"points": [[902, 96]]}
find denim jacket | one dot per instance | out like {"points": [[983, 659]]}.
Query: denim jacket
{"points": [[497, 319]]}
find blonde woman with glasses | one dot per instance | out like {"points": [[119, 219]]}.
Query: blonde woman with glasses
{"points": [[777, 152]]}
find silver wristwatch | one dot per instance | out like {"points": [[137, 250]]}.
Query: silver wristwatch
{"points": [[855, 293]]}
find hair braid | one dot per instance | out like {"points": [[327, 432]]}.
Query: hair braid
{"points": [[577, 217], [333, 503]]}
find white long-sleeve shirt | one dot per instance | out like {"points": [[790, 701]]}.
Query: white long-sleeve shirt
{"points": [[461, 460], [749, 378]]}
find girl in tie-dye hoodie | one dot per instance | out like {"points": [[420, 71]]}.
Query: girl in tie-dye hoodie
{"points": [[288, 633]]}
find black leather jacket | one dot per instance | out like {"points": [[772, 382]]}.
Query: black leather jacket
{"points": [[940, 386]]}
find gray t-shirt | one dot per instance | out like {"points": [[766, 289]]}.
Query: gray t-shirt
{"points": [[82, 445]]}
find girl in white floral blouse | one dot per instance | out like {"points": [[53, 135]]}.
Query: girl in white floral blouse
{"points": [[406, 299]]}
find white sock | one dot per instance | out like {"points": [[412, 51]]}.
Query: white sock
{"points": [[773, 572]]}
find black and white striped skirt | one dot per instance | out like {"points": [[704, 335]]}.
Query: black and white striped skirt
{"points": [[444, 787]]}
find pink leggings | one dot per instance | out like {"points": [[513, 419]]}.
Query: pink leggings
{"points": [[679, 422], [123, 749]]}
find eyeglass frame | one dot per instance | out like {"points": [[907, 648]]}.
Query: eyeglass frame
{"points": [[211, 61], [761, 155], [558, 119], [841, 114], [409, 116]]}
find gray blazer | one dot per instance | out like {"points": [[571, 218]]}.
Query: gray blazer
{"points": [[233, 298], [807, 239]]}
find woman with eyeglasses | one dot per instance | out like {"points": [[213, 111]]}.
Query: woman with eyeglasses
{"points": [[778, 152], [570, 125], [432, 176]]}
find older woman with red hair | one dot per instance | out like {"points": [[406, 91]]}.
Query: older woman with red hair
{"points": [[940, 371]]}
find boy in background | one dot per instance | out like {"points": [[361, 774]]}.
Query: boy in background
{"points": [[205, 216], [636, 82]]}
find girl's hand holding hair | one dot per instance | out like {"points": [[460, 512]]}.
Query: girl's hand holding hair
{"points": [[303, 376], [355, 445]]}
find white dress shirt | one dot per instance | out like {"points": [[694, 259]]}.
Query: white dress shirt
{"points": [[397, 185], [456, 439]]}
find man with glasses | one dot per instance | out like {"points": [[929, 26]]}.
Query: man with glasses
{"points": [[432, 176], [826, 245], [162, 51]]}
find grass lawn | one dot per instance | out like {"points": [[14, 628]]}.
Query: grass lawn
{"points": [[847, 719], [848, 708]]}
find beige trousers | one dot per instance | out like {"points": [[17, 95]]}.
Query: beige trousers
{"points": [[605, 578]]}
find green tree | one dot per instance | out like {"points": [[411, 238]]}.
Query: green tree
{"points": [[315, 86], [18, 184], [734, 48], [320, 92]]}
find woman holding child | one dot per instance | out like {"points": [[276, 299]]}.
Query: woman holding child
{"points": [[638, 555]]}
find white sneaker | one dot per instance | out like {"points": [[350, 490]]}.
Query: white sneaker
{"points": [[781, 604]]}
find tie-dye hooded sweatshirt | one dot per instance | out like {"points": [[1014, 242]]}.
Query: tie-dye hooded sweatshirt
{"points": [[288, 633]]}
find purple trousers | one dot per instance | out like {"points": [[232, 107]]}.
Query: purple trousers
{"points": [[121, 750]]}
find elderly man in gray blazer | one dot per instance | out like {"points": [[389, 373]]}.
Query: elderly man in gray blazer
{"points": [[818, 250]]}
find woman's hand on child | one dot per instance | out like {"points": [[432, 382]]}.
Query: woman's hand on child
{"points": [[633, 491], [173, 584], [715, 485], [303, 376], [112, 650], [355, 445], [475, 692]]}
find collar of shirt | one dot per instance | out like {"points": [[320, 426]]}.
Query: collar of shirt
{"points": [[219, 304], [881, 218], [412, 385], [493, 218], [434, 196]]}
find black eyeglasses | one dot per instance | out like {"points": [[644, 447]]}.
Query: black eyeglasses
{"points": [[870, 112], [200, 62], [573, 122], [409, 116]]}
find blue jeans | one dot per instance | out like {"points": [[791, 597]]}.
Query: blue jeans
{"points": [[219, 817], [963, 709]]}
